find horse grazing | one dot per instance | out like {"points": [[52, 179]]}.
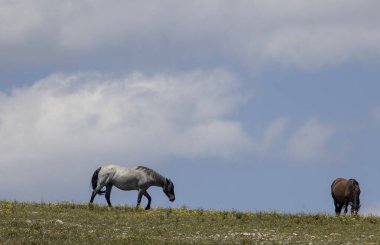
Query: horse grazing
{"points": [[346, 192], [138, 178]]}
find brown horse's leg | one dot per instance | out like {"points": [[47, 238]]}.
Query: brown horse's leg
{"points": [[345, 207], [338, 207]]}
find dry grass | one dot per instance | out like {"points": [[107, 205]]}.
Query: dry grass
{"points": [[70, 223]]}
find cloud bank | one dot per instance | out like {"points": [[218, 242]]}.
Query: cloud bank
{"points": [[294, 33]]}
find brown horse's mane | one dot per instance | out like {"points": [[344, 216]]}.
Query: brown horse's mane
{"points": [[354, 182]]}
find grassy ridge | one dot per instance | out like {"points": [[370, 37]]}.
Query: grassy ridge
{"points": [[69, 223]]}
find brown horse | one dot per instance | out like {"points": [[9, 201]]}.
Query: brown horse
{"points": [[346, 192]]}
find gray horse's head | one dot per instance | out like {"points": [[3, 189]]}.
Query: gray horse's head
{"points": [[355, 193], [169, 190]]}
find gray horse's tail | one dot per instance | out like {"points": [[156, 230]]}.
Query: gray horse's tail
{"points": [[94, 181]]}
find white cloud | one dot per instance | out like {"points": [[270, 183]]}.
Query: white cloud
{"points": [[300, 33], [139, 117], [309, 141]]}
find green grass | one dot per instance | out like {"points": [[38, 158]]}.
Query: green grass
{"points": [[70, 223]]}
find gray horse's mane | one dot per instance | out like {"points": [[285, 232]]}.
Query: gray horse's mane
{"points": [[152, 173]]}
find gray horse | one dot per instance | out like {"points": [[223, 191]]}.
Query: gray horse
{"points": [[346, 192], [138, 178]]}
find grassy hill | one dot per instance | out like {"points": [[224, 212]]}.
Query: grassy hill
{"points": [[69, 223]]}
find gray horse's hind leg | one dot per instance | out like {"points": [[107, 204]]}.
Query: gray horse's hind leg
{"points": [[92, 197], [95, 191], [108, 194]]}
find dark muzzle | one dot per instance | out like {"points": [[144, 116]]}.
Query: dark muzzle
{"points": [[355, 209]]}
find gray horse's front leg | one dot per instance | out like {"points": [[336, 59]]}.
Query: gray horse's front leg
{"points": [[145, 193], [139, 196]]}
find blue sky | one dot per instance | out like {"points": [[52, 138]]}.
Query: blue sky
{"points": [[250, 105]]}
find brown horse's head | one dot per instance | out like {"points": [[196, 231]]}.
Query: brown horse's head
{"points": [[354, 196]]}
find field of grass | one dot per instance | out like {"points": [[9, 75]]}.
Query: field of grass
{"points": [[70, 223]]}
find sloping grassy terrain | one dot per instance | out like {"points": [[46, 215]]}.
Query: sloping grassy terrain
{"points": [[69, 223]]}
